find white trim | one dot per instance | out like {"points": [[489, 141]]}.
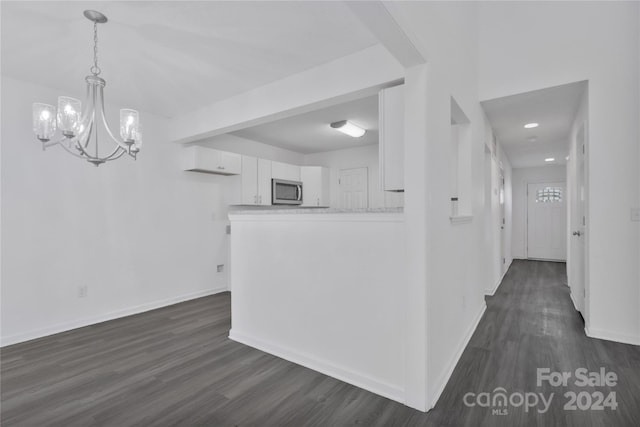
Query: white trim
{"points": [[442, 382], [491, 292], [92, 320], [574, 302], [461, 219], [347, 375], [612, 336]]}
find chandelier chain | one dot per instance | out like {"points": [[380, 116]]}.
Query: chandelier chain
{"points": [[95, 69]]}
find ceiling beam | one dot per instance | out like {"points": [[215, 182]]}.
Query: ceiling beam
{"points": [[386, 23], [348, 78]]}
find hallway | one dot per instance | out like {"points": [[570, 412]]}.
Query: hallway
{"points": [[175, 366], [530, 323]]}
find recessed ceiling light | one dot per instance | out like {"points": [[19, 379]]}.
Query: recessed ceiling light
{"points": [[348, 128], [549, 159], [531, 125]]}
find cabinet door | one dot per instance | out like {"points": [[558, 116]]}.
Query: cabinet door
{"points": [[325, 185], [315, 186], [249, 180], [285, 171], [310, 185], [231, 163], [391, 138], [263, 180]]}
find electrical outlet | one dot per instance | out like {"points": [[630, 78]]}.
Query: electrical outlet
{"points": [[83, 291], [220, 268], [635, 214]]}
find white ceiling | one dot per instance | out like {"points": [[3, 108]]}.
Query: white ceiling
{"points": [[553, 108], [310, 132], [173, 57]]}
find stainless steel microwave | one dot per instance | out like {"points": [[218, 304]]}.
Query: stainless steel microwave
{"points": [[285, 192]]}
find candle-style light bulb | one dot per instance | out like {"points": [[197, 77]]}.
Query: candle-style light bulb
{"points": [[44, 121], [129, 123], [69, 111]]}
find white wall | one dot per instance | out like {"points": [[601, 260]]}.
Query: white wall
{"points": [[455, 253], [350, 158], [598, 42], [521, 177], [337, 307], [139, 234], [496, 239]]}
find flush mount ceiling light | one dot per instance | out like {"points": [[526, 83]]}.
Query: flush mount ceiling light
{"points": [[549, 159], [531, 125], [80, 127], [348, 128]]}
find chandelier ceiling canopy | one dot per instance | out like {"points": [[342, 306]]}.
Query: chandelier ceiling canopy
{"points": [[79, 128]]}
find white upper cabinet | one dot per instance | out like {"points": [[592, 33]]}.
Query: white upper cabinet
{"points": [[253, 186], [209, 160], [315, 186], [391, 142], [285, 171]]}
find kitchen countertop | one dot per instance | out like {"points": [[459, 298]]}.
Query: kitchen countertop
{"points": [[297, 211]]}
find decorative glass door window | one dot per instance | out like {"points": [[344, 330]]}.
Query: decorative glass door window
{"points": [[549, 194]]}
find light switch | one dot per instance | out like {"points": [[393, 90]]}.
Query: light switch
{"points": [[635, 214]]}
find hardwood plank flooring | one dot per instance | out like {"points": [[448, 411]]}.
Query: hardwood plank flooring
{"points": [[175, 366]]}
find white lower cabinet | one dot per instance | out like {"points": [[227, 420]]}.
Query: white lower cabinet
{"points": [[253, 185], [315, 186]]}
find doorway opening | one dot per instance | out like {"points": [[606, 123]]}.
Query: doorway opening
{"points": [[544, 135]]}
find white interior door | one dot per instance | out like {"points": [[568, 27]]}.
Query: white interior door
{"points": [[578, 225], [503, 222], [353, 188], [546, 221]]}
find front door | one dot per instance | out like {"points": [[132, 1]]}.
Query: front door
{"points": [[546, 221]]}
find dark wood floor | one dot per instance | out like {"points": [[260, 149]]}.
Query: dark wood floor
{"points": [[176, 367]]}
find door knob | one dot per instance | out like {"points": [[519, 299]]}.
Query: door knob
{"points": [[577, 233]]}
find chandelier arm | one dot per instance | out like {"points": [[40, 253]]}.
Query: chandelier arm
{"points": [[106, 125], [108, 159], [52, 143], [84, 136], [89, 157], [86, 122], [68, 150]]}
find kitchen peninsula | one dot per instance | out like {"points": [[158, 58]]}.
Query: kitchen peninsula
{"points": [[323, 288]]}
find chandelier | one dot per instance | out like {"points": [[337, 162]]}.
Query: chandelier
{"points": [[79, 128]]}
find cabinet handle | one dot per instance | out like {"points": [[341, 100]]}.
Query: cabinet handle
{"points": [[255, 199], [318, 202], [260, 199]]}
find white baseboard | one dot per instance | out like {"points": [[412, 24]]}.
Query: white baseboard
{"points": [[612, 336], [347, 375], [86, 321], [491, 292], [444, 378], [573, 301]]}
